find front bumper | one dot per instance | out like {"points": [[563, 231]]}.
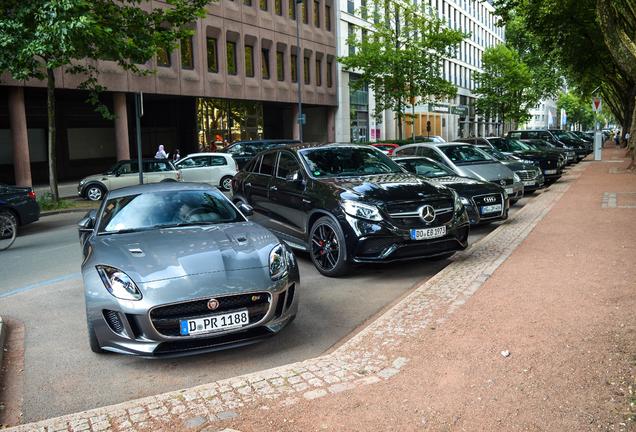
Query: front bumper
{"points": [[133, 327], [476, 215]]}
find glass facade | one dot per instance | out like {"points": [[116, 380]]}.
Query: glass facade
{"points": [[359, 106], [227, 120]]}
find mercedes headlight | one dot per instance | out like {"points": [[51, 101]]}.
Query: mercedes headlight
{"points": [[118, 283], [362, 211], [457, 202], [278, 262], [516, 178]]}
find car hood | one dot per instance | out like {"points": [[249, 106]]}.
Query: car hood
{"points": [[161, 254], [466, 186], [518, 165], [488, 171], [94, 177], [388, 187]]}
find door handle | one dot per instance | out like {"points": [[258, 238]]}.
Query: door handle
{"points": [[248, 184], [273, 188], [306, 201]]}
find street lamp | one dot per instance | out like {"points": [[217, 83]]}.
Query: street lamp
{"points": [[300, 119]]}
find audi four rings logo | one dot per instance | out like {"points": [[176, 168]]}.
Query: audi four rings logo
{"points": [[490, 199], [427, 213], [213, 304]]}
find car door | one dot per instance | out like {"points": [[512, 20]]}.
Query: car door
{"points": [[127, 174], [288, 203], [195, 169], [256, 184], [219, 168]]}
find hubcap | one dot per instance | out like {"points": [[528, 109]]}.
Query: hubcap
{"points": [[94, 194], [325, 248], [227, 183]]}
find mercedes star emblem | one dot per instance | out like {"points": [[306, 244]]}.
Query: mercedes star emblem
{"points": [[427, 213]]}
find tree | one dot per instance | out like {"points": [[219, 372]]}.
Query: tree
{"points": [[505, 85], [39, 36], [402, 58], [578, 109]]}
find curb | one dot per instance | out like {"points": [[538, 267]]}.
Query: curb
{"points": [[56, 212], [3, 336]]}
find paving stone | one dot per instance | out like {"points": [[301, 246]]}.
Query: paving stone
{"points": [[226, 415], [314, 394], [194, 422], [338, 388]]}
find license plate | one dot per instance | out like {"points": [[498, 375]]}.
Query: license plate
{"points": [[428, 233], [214, 323], [491, 208], [550, 171], [528, 183], [509, 191]]}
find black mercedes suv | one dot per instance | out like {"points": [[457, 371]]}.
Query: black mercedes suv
{"points": [[346, 204]]}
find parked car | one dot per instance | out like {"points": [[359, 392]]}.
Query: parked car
{"points": [[347, 203], [528, 171], [550, 164], [468, 161], [582, 135], [484, 201], [244, 151], [570, 139], [216, 169], [174, 269], [387, 149], [430, 138], [542, 145], [126, 173], [19, 204], [547, 135]]}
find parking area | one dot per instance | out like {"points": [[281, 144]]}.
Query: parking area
{"points": [[61, 375]]}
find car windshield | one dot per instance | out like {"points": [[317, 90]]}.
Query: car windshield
{"points": [[384, 147], [166, 209], [516, 145], [495, 153], [560, 135], [425, 167], [347, 161], [466, 154]]}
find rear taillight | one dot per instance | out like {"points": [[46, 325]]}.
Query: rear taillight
{"points": [[32, 195]]}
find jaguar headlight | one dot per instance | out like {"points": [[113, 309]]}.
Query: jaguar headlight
{"points": [[361, 210], [118, 283], [278, 262]]}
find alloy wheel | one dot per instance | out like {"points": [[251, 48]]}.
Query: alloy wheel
{"points": [[94, 193], [325, 247]]}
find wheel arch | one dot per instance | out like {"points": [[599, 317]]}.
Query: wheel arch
{"points": [[13, 211], [93, 183]]}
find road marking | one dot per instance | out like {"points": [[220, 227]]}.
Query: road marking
{"points": [[41, 284]]}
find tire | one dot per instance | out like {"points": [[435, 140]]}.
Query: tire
{"points": [[94, 192], [327, 248], [226, 184], [92, 339], [168, 181], [8, 229]]}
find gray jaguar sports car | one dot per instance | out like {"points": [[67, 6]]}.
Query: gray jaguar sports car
{"points": [[175, 268]]}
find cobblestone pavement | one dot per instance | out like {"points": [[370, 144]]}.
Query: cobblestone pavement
{"points": [[369, 357]]}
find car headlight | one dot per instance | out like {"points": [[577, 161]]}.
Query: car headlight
{"points": [[464, 200], [362, 211], [516, 178], [457, 202], [82, 182], [278, 262], [118, 283]]}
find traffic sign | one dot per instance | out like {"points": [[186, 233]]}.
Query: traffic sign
{"points": [[597, 104]]}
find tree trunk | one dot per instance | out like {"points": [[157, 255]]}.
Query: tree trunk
{"points": [[50, 105], [632, 138], [629, 105], [620, 44]]}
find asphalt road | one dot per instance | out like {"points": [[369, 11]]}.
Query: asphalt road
{"points": [[41, 287]]}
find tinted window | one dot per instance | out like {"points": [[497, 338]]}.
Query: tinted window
{"points": [[516, 135], [217, 161], [194, 162], [128, 168], [425, 167], [267, 165], [465, 154], [157, 166], [516, 145], [348, 162], [432, 154], [408, 151], [499, 143], [166, 209], [253, 165], [287, 164]]}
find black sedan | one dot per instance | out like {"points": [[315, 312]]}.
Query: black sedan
{"points": [[484, 201], [346, 204], [529, 172], [19, 203]]}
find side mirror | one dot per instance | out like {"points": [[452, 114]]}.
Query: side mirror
{"points": [[246, 209], [87, 223], [294, 177]]}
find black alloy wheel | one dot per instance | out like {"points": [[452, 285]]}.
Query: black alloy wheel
{"points": [[327, 248]]}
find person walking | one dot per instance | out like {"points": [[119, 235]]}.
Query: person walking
{"points": [[161, 153], [626, 140], [176, 156], [617, 138]]}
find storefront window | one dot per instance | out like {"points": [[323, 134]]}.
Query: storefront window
{"points": [[223, 121]]}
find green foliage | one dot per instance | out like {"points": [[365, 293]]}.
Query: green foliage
{"points": [[402, 57], [505, 85], [577, 108]]}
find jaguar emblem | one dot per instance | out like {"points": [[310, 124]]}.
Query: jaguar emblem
{"points": [[213, 304]]}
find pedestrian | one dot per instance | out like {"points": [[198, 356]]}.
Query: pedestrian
{"points": [[161, 153], [176, 156], [626, 139]]}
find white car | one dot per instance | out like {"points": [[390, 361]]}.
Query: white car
{"points": [[216, 169]]}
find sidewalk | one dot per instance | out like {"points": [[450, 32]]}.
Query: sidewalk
{"points": [[555, 286], [66, 189]]}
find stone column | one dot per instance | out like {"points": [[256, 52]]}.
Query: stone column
{"points": [[19, 137], [331, 125], [295, 125], [121, 126]]}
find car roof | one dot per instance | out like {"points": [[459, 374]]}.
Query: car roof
{"points": [[158, 187], [267, 141], [206, 154], [144, 160]]}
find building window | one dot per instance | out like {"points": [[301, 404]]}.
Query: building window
{"points": [[351, 8], [187, 53], [294, 68], [278, 7], [265, 63], [329, 74], [280, 66], [262, 4], [213, 58], [247, 2], [163, 57], [292, 9], [231, 58], [249, 61], [317, 13], [352, 32], [363, 9], [305, 12], [318, 73], [328, 17], [306, 72]]}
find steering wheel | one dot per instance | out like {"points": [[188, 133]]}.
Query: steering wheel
{"points": [[197, 211]]}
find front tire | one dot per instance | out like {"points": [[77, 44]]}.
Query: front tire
{"points": [[95, 192], [327, 248], [226, 183]]}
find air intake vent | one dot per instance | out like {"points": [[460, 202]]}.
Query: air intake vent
{"points": [[114, 321]]}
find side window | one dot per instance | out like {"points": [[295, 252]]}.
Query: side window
{"points": [[515, 135], [254, 165], [128, 168], [217, 161], [408, 151], [432, 154], [528, 135], [267, 165], [287, 164], [200, 161]]}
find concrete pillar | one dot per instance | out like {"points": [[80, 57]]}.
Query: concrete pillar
{"points": [[19, 137], [331, 125], [121, 126], [295, 125]]}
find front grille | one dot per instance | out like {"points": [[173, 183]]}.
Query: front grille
{"points": [[114, 321], [217, 342], [406, 214], [527, 174], [490, 199], [166, 319]]}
